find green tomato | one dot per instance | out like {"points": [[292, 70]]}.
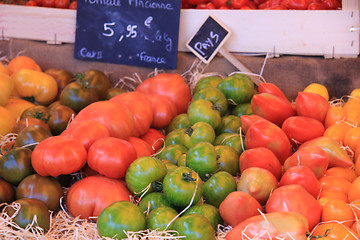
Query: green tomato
{"points": [[144, 175], [15, 165], [181, 185], [199, 132], [170, 165], [59, 117], [119, 217], [172, 152], [112, 92], [97, 80], [215, 96], [7, 192], [237, 88], [175, 137], [202, 110], [30, 136], [232, 140], [178, 122], [229, 124], [242, 109], [160, 218], [38, 111], [209, 211], [211, 81], [227, 159], [202, 159], [29, 208], [194, 227], [217, 187], [182, 160], [153, 200]]}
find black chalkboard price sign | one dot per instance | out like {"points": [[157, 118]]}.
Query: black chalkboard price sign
{"points": [[209, 38], [131, 32]]}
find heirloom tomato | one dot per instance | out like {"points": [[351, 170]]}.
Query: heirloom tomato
{"points": [[209, 211], [152, 201], [311, 105], [160, 218], [17, 106], [163, 110], [95, 79], [26, 122], [242, 109], [7, 121], [210, 81], [31, 136], [7, 87], [119, 217], [142, 148], [154, 138], [115, 117], [181, 186], [271, 88], [38, 111], [90, 195], [333, 230], [7, 192], [172, 152], [354, 191], [59, 118], [58, 155], [229, 124], [140, 107], [172, 85], [236, 141], [202, 110], [111, 156], [217, 187], [45, 189], [61, 76], [227, 159], [195, 227], [338, 210], [199, 132], [215, 96], [175, 137], [22, 62], [178, 122], [145, 175], [114, 91]]}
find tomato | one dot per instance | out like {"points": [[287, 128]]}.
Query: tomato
{"points": [[26, 122], [111, 156], [59, 118], [144, 175], [142, 148], [7, 87], [48, 3], [170, 165], [58, 155], [238, 4], [73, 5], [328, 194], [347, 173], [154, 137], [209, 211], [336, 155], [269, 135], [311, 105], [114, 91], [152, 201], [332, 4], [160, 218], [177, 136], [314, 157], [172, 85], [248, 120], [303, 176], [95, 79], [242, 109], [7, 121], [178, 122], [272, 108], [338, 210], [334, 114], [201, 157], [236, 141], [15, 165], [296, 4], [194, 226], [17, 106], [202, 110], [90, 195], [352, 138], [354, 192], [227, 159], [172, 152], [292, 198], [215, 96], [199, 132], [238, 206], [7, 192], [266, 87], [38, 111], [337, 131], [210, 81], [221, 3], [197, 2], [141, 109], [45, 189], [217, 187], [114, 116], [283, 225], [31, 136], [229, 124], [334, 230], [258, 182], [61, 76], [163, 109], [62, 3], [4, 69], [182, 185], [77, 96], [22, 62], [300, 129], [118, 218]]}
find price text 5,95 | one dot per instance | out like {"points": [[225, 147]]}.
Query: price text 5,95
{"points": [[109, 31]]}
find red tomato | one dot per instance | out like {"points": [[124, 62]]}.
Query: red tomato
{"points": [[142, 148], [260, 157], [332, 4], [73, 5], [39, 2], [303, 176], [155, 138], [172, 85], [311, 105], [316, 6], [221, 3], [163, 108], [140, 108], [238, 4], [62, 3], [295, 198], [31, 3], [114, 116], [87, 132], [300, 129], [238, 206], [272, 108], [248, 120], [111, 156], [296, 4], [271, 88], [208, 5], [269, 135], [89, 196], [335, 114], [197, 2], [48, 3], [58, 155]]}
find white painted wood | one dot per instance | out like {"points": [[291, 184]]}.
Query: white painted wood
{"points": [[350, 5]]}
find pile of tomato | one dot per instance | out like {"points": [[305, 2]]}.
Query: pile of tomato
{"points": [[63, 4], [169, 158]]}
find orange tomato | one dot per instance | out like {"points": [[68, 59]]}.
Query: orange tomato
{"points": [[328, 195], [355, 206], [352, 107], [22, 62], [338, 210], [3, 69], [334, 230], [352, 138], [17, 106], [357, 152], [357, 165], [354, 190], [335, 182], [355, 93], [7, 121], [337, 131], [356, 227], [335, 114], [344, 172]]}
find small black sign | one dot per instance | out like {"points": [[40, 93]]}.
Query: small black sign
{"points": [[131, 32], [207, 41]]}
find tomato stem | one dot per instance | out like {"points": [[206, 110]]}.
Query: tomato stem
{"points": [[157, 186], [189, 131], [29, 99], [187, 177]]}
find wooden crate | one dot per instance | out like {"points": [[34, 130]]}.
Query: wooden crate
{"points": [[332, 34]]}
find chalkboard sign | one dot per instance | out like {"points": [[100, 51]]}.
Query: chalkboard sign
{"points": [[207, 41], [131, 32]]}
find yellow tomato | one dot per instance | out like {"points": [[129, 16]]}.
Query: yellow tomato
{"points": [[17, 106], [22, 62], [355, 93], [352, 109], [319, 89], [7, 121], [6, 86], [3, 69], [37, 86]]}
